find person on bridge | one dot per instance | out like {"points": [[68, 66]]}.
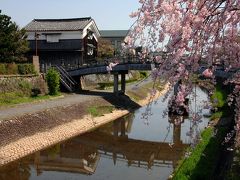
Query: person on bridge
{"points": [[111, 65], [208, 73]]}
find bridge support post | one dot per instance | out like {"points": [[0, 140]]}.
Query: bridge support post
{"points": [[123, 128], [123, 82], [115, 88], [78, 79], [115, 128]]}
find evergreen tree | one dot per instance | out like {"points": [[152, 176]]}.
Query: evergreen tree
{"points": [[13, 43]]}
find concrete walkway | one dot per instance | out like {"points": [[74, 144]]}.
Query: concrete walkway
{"points": [[62, 101]]}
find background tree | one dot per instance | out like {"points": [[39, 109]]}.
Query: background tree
{"points": [[105, 48], [13, 43]]}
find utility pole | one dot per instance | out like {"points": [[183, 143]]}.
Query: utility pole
{"points": [[36, 43]]}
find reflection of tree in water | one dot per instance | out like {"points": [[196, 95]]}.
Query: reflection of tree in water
{"points": [[148, 110], [15, 171], [195, 117]]}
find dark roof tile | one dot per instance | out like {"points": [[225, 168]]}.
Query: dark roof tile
{"points": [[113, 33], [73, 24]]}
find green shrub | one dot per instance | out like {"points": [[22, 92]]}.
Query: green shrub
{"points": [[29, 69], [21, 69], [26, 69], [35, 92], [3, 69], [12, 68], [136, 75], [143, 74], [25, 87], [53, 81]]}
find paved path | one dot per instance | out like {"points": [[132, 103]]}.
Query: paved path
{"points": [[68, 99], [26, 108]]}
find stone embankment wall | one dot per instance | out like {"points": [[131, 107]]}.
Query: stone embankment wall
{"points": [[23, 135], [22, 83], [93, 80]]}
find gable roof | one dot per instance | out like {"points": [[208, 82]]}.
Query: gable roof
{"points": [[73, 24], [114, 33]]}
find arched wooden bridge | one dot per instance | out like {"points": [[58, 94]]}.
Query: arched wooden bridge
{"points": [[71, 78]]}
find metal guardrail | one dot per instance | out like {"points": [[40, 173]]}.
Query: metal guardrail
{"points": [[66, 80]]}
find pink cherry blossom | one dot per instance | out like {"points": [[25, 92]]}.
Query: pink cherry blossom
{"points": [[191, 32]]}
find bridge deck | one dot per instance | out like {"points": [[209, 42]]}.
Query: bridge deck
{"points": [[102, 69], [136, 65]]}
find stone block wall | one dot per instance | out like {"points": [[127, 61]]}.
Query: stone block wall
{"points": [[22, 84]]}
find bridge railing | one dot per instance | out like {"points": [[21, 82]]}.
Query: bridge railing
{"points": [[106, 61], [67, 81]]}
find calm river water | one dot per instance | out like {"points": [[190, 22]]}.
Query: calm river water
{"points": [[132, 147]]}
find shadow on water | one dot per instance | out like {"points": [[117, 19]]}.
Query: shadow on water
{"points": [[126, 148]]}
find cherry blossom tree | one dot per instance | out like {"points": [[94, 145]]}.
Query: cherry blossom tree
{"points": [[191, 33]]}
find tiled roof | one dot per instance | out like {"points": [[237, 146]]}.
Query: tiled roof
{"points": [[114, 33], [58, 24]]}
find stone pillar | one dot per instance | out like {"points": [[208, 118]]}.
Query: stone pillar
{"points": [[123, 82], [115, 88], [35, 61]]}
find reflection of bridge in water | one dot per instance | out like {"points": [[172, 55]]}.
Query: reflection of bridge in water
{"points": [[82, 153]]}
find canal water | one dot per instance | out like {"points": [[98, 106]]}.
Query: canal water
{"points": [[144, 145]]}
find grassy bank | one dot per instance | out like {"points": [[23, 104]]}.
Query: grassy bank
{"points": [[13, 98], [233, 173], [219, 103], [97, 111], [140, 93], [202, 162]]}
